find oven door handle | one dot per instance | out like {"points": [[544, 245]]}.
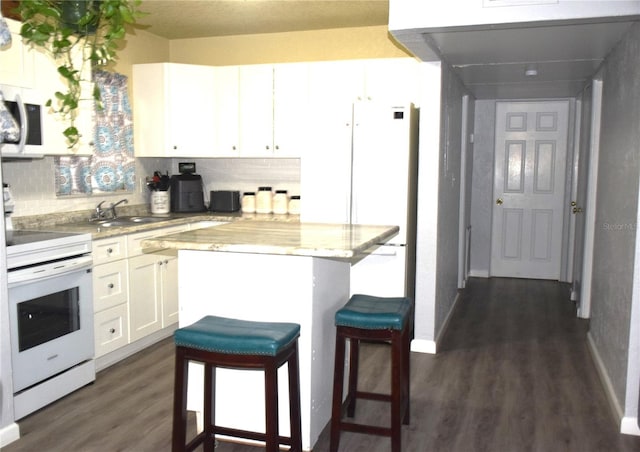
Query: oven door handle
{"points": [[48, 270]]}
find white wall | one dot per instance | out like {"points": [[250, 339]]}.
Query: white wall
{"points": [[448, 197], [482, 188], [438, 203], [615, 298], [427, 227]]}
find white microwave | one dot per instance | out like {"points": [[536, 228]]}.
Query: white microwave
{"points": [[27, 108]]}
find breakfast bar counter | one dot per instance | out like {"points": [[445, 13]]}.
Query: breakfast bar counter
{"points": [[282, 238], [274, 272]]}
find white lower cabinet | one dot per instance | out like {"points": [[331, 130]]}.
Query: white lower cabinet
{"points": [[153, 284], [135, 294], [110, 295]]}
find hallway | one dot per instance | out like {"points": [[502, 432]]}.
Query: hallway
{"points": [[513, 374]]}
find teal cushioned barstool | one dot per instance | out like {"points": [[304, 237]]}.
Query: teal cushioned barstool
{"points": [[372, 319], [237, 344]]}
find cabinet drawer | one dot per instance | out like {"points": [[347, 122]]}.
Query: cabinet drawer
{"points": [[110, 285], [109, 250], [134, 240], [111, 330]]}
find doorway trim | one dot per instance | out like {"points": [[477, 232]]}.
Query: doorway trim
{"points": [[584, 308]]}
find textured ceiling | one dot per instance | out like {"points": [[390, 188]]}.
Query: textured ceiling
{"points": [[203, 18]]}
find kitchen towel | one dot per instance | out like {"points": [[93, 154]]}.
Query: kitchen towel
{"points": [[9, 129], [5, 33]]}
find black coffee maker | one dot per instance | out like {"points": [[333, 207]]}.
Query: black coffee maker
{"points": [[187, 190]]}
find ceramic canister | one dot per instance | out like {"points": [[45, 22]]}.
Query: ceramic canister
{"points": [[160, 201]]}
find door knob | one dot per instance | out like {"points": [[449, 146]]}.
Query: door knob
{"points": [[499, 201]]}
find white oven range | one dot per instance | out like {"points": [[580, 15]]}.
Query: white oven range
{"points": [[50, 315]]}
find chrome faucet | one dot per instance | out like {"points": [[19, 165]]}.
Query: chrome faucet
{"points": [[113, 207], [99, 214]]}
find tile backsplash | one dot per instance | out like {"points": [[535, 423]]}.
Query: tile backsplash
{"points": [[32, 181]]}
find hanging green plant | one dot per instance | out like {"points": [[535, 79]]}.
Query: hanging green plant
{"points": [[76, 33]]}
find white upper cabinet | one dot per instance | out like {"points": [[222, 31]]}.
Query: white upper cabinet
{"points": [[174, 110], [290, 109], [226, 132], [273, 107], [391, 80], [256, 110], [16, 60], [47, 82]]}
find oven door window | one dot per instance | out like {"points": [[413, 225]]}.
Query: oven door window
{"points": [[43, 319]]}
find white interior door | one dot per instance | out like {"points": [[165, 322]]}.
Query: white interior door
{"points": [[578, 202], [529, 181]]}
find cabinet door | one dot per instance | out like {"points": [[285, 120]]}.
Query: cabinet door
{"points": [[290, 109], [191, 110], [150, 124], [256, 111], [334, 82], [47, 81], [392, 80], [169, 277], [17, 60], [144, 296], [226, 132]]}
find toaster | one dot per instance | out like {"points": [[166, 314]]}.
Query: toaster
{"points": [[224, 201]]}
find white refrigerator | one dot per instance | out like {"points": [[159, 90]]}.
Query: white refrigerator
{"points": [[384, 191], [363, 170]]}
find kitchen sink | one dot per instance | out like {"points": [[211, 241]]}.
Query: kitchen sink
{"points": [[129, 221]]}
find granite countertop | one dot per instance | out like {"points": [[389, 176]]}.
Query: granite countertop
{"points": [[80, 224], [283, 238]]}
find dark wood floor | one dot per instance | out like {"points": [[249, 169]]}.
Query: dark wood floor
{"points": [[513, 374]]}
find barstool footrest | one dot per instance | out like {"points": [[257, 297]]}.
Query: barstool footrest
{"points": [[195, 442], [247, 434], [373, 396], [363, 428]]}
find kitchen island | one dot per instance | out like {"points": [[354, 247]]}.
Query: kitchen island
{"points": [[266, 271]]}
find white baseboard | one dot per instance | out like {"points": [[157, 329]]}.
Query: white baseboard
{"points": [[429, 346], [115, 356], [478, 273], [423, 346], [629, 426], [9, 434], [614, 403]]}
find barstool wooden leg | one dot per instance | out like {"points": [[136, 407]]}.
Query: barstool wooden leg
{"points": [[338, 379], [271, 407], [179, 434], [354, 360], [295, 418], [209, 407], [406, 348], [397, 385]]}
